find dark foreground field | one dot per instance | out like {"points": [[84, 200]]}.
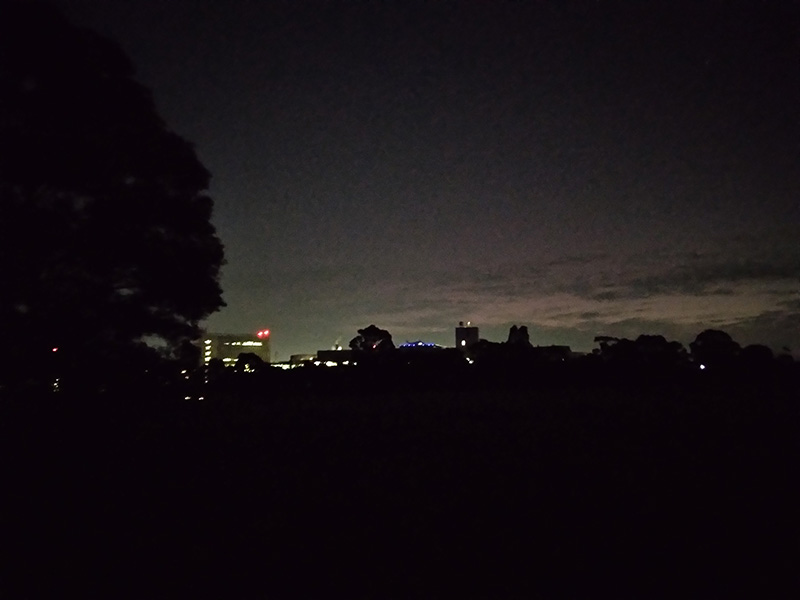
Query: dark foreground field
{"points": [[613, 491]]}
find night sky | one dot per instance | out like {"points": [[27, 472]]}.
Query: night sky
{"points": [[582, 168]]}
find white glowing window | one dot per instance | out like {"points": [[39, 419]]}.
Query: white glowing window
{"points": [[463, 342]]}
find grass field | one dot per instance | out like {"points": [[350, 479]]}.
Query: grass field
{"points": [[569, 492]]}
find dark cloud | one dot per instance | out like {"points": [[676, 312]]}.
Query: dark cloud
{"points": [[608, 295], [632, 328], [572, 260], [792, 305], [417, 164], [572, 299], [777, 329], [699, 276]]}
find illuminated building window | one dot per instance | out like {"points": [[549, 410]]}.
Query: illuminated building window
{"points": [[228, 347]]}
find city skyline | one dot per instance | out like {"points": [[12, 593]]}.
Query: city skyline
{"points": [[582, 168]]}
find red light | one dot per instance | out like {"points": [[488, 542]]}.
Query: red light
{"points": [[55, 349], [263, 333]]}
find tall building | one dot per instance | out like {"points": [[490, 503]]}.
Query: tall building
{"points": [[228, 346], [466, 335]]}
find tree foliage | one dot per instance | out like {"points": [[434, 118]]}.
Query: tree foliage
{"points": [[645, 350], [519, 336], [714, 348], [372, 340], [105, 232]]}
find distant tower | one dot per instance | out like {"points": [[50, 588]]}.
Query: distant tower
{"points": [[466, 335]]}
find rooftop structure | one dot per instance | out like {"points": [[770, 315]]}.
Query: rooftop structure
{"points": [[466, 335]]}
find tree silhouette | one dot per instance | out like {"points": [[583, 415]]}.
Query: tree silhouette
{"points": [[519, 336], [714, 348], [372, 340], [105, 234], [757, 357], [248, 362], [645, 351]]}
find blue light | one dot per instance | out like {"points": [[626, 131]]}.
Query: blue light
{"points": [[418, 344]]}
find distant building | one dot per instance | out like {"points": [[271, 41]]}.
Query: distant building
{"points": [[300, 359], [228, 346], [331, 358], [466, 335]]}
